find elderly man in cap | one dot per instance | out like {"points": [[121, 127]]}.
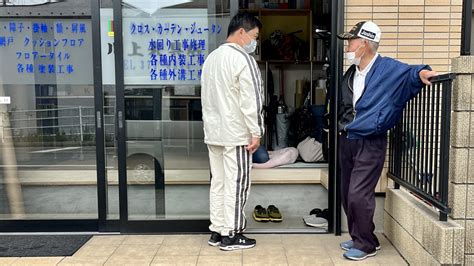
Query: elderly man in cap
{"points": [[372, 96]]}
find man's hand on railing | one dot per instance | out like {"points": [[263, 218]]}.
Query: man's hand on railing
{"points": [[426, 75]]}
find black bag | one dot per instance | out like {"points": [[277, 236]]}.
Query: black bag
{"points": [[303, 124]]}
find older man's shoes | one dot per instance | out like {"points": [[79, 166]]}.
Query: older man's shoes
{"points": [[349, 244], [356, 254]]}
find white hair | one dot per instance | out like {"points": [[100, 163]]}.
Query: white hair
{"points": [[374, 46]]}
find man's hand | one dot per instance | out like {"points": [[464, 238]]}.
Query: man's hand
{"points": [[254, 144], [425, 75]]}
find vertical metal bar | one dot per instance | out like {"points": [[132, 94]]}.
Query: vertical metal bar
{"points": [[423, 135], [444, 151], [466, 27], [334, 200], [418, 140], [421, 126], [405, 148], [390, 151], [432, 140], [412, 139], [437, 138], [427, 172], [99, 121], [267, 101], [398, 147], [311, 82], [80, 125], [120, 108]]}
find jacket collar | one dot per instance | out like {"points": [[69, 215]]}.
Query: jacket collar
{"points": [[373, 69]]}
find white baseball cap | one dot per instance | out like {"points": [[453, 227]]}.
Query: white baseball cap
{"points": [[365, 29]]}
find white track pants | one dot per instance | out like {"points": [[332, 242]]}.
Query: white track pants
{"points": [[230, 187]]}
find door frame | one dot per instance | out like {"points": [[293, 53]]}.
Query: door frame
{"points": [[183, 226]]}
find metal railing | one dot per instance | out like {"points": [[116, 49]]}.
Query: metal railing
{"points": [[75, 124], [419, 145]]}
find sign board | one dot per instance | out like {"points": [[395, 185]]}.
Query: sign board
{"points": [[46, 51], [168, 48], [5, 100]]}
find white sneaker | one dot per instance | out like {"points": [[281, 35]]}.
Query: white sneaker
{"points": [[312, 220]]}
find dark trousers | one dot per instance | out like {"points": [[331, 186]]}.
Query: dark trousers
{"points": [[361, 163]]}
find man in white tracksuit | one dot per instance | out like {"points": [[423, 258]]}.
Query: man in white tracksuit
{"points": [[232, 101]]}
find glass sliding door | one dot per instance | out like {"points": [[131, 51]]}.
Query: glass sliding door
{"points": [[163, 166], [109, 108], [47, 127]]}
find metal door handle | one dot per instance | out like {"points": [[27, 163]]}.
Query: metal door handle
{"points": [[120, 121], [99, 120]]}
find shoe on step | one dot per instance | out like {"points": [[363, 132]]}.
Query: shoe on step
{"points": [[274, 214], [315, 211], [260, 214], [314, 221]]}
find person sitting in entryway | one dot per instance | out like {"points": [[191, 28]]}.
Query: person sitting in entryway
{"points": [[269, 159]]}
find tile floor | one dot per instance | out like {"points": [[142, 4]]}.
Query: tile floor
{"points": [[281, 249]]}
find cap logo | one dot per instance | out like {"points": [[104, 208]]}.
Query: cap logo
{"points": [[367, 34]]}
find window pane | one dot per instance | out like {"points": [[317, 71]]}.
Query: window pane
{"points": [[164, 49], [48, 167]]}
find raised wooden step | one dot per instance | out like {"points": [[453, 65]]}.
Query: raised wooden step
{"points": [[295, 174]]}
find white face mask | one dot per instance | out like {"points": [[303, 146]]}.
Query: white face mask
{"points": [[350, 56], [250, 47]]}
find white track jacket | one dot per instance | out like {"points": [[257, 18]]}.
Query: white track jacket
{"points": [[231, 96]]}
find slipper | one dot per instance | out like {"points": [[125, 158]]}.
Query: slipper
{"points": [[274, 214], [260, 214]]}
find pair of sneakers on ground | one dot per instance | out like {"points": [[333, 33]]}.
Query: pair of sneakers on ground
{"points": [[356, 254], [238, 241]]}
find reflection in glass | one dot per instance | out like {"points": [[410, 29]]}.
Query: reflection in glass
{"points": [[47, 126], [167, 160]]}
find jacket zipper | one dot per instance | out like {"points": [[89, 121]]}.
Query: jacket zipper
{"points": [[354, 112], [349, 85]]}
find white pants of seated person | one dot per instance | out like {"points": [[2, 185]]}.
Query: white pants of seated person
{"points": [[279, 157], [230, 187]]}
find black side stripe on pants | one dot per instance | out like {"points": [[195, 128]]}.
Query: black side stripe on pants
{"points": [[242, 187], [237, 189], [247, 185], [242, 190]]}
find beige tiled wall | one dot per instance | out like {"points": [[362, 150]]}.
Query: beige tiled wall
{"points": [[413, 31]]}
